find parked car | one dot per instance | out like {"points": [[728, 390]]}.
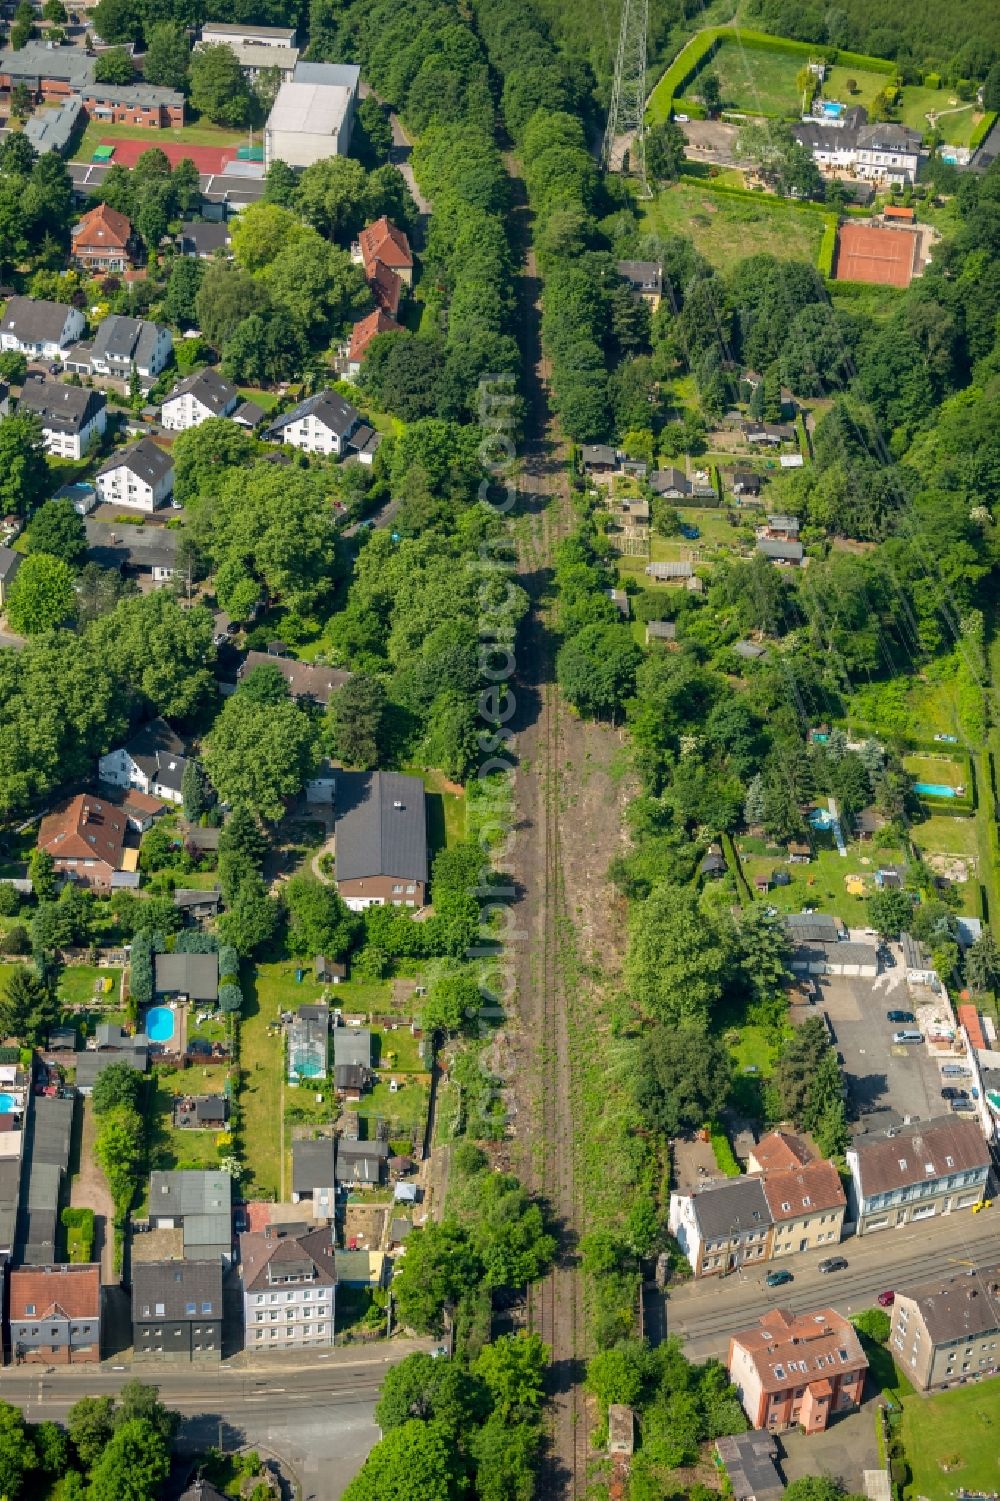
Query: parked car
{"points": [[886, 1299], [983, 1204], [963, 1107], [779, 1278], [955, 1071], [900, 1016], [948, 1093], [834, 1264], [908, 1036]]}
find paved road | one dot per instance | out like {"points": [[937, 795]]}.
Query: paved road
{"points": [[705, 1313], [319, 1417]]}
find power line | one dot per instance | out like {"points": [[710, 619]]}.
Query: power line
{"points": [[625, 133]]}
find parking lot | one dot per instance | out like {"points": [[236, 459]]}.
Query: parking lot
{"points": [[886, 1082]]}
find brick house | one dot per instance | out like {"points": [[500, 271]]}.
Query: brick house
{"points": [[85, 836], [102, 241], [797, 1369], [134, 104], [55, 1314]]}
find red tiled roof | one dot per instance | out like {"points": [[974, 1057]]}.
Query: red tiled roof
{"points": [[84, 827], [384, 241], [968, 1017], [101, 228], [76, 1290], [779, 1150], [386, 287], [794, 1192], [365, 330], [804, 1347]]}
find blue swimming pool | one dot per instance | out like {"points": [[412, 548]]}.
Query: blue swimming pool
{"points": [[821, 819], [832, 110], [935, 789], [8, 1104], [159, 1024]]}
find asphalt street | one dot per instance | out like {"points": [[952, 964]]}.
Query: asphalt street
{"points": [[705, 1313], [319, 1418]]}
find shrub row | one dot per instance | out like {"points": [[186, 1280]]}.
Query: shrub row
{"points": [[827, 248], [983, 129]]}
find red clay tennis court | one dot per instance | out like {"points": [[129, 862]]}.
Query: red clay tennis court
{"points": [[205, 158], [883, 256]]}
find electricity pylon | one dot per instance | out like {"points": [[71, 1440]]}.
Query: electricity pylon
{"points": [[626, 127]]}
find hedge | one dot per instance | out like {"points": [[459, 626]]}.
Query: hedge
{"points": [[769, 200], [701, 48], [982, 130], [827, 248], [725, 1161]]}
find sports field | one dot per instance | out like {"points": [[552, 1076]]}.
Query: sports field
{"points": [[868, 254], [205, 158]]}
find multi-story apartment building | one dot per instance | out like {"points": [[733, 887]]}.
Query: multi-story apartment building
{"points": [[289, 1287], [947, 1330], [797, 1369], [916, 1172]]}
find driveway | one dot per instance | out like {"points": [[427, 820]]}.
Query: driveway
{"points": [[885, 1081], [848, 1447], [89, 1190]]}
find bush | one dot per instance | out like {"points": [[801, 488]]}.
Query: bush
{"points": [[725, 1159], [10, 899], [17, 940], [874, 1323], [230, 997], [827, 248], [899, 1472]]}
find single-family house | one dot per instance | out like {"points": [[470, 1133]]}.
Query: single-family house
{"points": [[749, 1460], [306, 680], [196, 904], [122, 345], [868, 823], [380, 840], [785, 554], [916, 1173], [10, 562], [85, 836], [289, 1287], [745, 482], [204, 239], [670, 483], [140, 477], [385, 243], [200, 1204], [713, 864], [352, 1045], [195, 977], [946, 1330], [620, 600], [599, 458], [361, 1163], [55, 1314], [321, 424], [147, 552], [72, 419], [113, 1046], [797, 1370], [644, 280], [198, 398], [362, 334], [153, 761], [102, 241], [723, 1226], [329, 971], [177, 1312], [314, 1177], [39, 329], [350, 1080], [785, 527]]}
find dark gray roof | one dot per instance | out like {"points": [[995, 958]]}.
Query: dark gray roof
{"points": [[34, 318], [381, 827], [749, 650], [736, 1207], [249, 414], [352, 1045], [52, 1131], [122, 545], [168, 1289], [201, 1489], [963, 1305], [813, 927], [782, 552], [361, 1161], [784, 524], [63, 409], [155, 744], [350, 1076], [90, 1065], [178, 1194], [10, 562], [334, 75], [199, 237], [669, 481], [210, 389], [194, 975], [598, 453], [144, 459], [188, 897], [313, 1164], [349, 1147], [661, 630], [120, 340], [10, 1180], [327, 407], [147, 95], [642, 276], [212, 1107], [36, 61], [749, 1459]]}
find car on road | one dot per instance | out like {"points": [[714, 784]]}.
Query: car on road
{"points": [[833, 1264], [886, 1299], [949, 1093], [900, 1017], [907, 1037], [779, 1278]]}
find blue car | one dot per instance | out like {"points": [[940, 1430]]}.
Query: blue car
{"points": [[778, 1279]]}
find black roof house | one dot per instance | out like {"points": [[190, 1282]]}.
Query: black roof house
{"points": [[381, 827]]}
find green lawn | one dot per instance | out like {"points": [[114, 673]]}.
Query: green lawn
{"points": [[202, 134], [951, 1441], [821, 883], [941, 835], [755, 1049], [726, 230], [404, 1109], [752, 78], [867, 85], [955, 120], [267, 400], [170, 1148], [936, 769], [77, 985]]}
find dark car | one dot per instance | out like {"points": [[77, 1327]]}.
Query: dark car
{"points": [[690, 533], [948, 1093], [886, 1299], [963, 1107], [900, 1016], [833, 1264], [778, 1279]]}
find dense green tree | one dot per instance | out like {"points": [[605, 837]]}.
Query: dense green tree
{"points": [[505, 1455], [204, 454], [23, 469], [226, 296], [18, 1454], [42, 595], [114, 66], [438, 1269], [873, 1322], [889, 912], [376, 141], [134, 1465], [281, 185], [358, 721], [452, 1003], [330, 197], [252, 917], [219, 89], [320, 921], [259, 754], [513, 1368], [159, 651], [56, 528], [665, 147], [982, 963], [91, 1423], [168, 56], [433, 1390], [415, 1462], [682, 1079], [140, 1402], [119, 1147], [117, 20], [27, 1007], [180, 300], [264, 349], [677, 957], [596, 670], [118, 1085]]}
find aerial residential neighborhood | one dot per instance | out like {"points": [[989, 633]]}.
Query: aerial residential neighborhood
{"points": [[499, 867]]}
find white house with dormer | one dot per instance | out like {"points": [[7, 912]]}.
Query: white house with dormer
{"points": [[40, 329], [321, 424], [197, 399], [153, 762], [140, 477]]}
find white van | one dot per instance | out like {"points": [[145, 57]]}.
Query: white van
{"points": [[908, 1036]]}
